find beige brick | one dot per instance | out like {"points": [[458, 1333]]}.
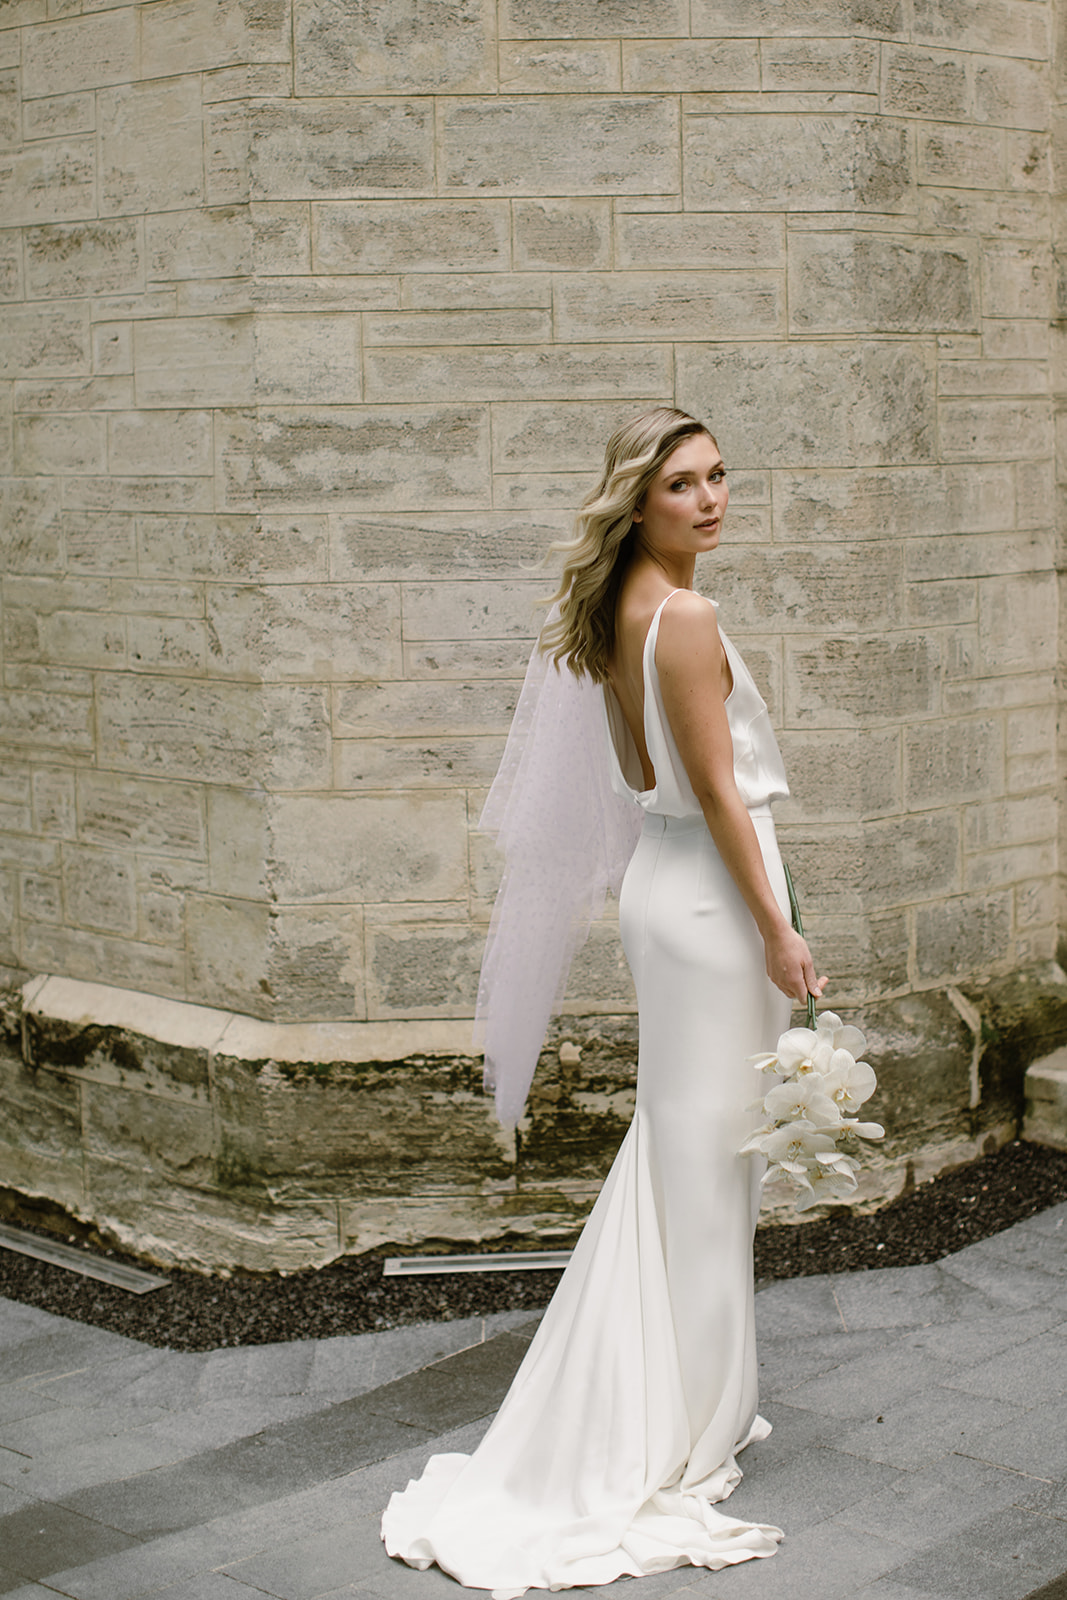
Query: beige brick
{"points": [[458, 327], [1016, 280], [949, 762], [781, 18], [568, 144], [226, 733], [281, 236], [696, 240], [567, 67], [544, 372], [196, 35], [668, 305], [238, 842], [844, 682], [167, 644], [362, 848], [1018, 623], [1011, 93], [161, 442], [81, 53], [859, 282], [415, 971], [571, 435], [313, 631], [578, 19], [798, 405], [212, 243], [799, 590], [394, 48], [305, 358], [44, 341], [194, 360], [965, 935], [151, 147], [470, 291], [925, 83], [443, 544], [336, 150], [31, 525], [381, 459], [830, 65], [978, 555], [411, 236], [896, 502], [841, 776], [735, 163], [998, 27], [247, 548], [59, 116], [61, 444], [690, 65], [976, 430], [568, 235]]}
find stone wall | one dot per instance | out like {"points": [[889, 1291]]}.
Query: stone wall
{"points": [[317, 317]]}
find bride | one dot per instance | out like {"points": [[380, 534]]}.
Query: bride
{"points": [[618, 1437]]}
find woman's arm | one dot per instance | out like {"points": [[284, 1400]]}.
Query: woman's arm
{"points": [[689, 656]]}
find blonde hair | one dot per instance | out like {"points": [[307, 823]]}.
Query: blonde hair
{"points": [[596, 557]]}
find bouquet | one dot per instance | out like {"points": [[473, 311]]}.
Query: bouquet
{"points": [[820, 1085]]}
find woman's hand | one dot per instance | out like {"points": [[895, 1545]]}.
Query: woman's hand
{"points": [[789, 964]]}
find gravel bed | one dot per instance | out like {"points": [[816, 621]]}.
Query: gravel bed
{"points": [[351, 1296]]}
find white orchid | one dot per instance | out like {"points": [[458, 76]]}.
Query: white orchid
{"points": [[802, 1098], [848, 1083]]}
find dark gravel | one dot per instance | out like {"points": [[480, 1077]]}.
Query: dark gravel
{"points": [[351, 1296]]}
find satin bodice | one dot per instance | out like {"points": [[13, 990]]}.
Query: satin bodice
{"points": [[758, 769]]}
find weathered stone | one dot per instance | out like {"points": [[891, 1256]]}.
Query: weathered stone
{"points": [[212, 243], [831, 65], [841, 283], [800, 590], [669, 305], [844, 682], [160, 1137], [430, 763], [991, 378], [60, 444], [315, 962], [46, 719], [195, 35], [53, 802], [570, 235], [591, 19], [59, 115], [1016, 280], [151, 146], [81, 53], [895, 502], [559, 67], [569, 144], [281, 236], [148, 595], [941, 602], [40, 898], [410, 236], [100, 544], [160, 442], [734, 163], [126, 812], [226, 733], [31, 526], [41, 1135], [544, 372], [257, 549], [816, 404], [138, 494], [325, 150], [476, 291], [387, 458], [395, 47], [976, 555], [238, 842], [44, 341], [83, 258], [569, 435], [690, 65], [422, 970], [362, 849], [696, 240], [49, 182], [1031, 745], [1011, 93], [381, 710], [166, 644], [302, 358], [841, 776], [779, 18], [10, 265], [350, 293], [474, 610], [227, 154], [313, 631], [10, 111], [952, 762], [98, 886], [924, 83], [251, 81], [976, 430], [465, 328], [448, 544], [112, 348], [194, 360], [999, 27]]}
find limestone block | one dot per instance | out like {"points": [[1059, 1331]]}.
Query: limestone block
{"points": [[100, 544], [735, 163], [1025, 819], [402, 710], [558, 372], [60, 444], [117, 813], [73, 394], [44, 341], [995, 869], [697, 240], [17, 850], [668, 305], [570, 235], [422, 970], [307, 358], [46, 719], [11, 265], [568, 436], [910, 858], [1002, 430], [399, 47], [1017, 279], [410, 236], [539, 491], [41, 1135], [472, 610], [151, 147], [233, 547], [222, 733], [442, 544], [15, 801], [925, 83], [238, 842], [59, 115], [812, 404], [349, 850], [1035, 495], [193, 361], [83, 258], [895, 502], [147, 596], [1036, 904], [281, 236], [255, 80], [82, 639], [1031, 747], [149, 1133], [998, 27], [559, 67], [860, 282], [867, 954], [10, 111], [323, 293], [227, 943], [40, 898], [227, 154], [315, 962], [160, 442], [31, 526], [457, 327], [787, 18], [98, 886], [138, 494], [112, 348], [841, 586], [992, 378], [690, 66], [947, 762], [475, 291], [409, 764], [80, 53], [936, 603], [561, 145], [314, 631], [1028, 161], [1046, 1101], [975, 555], [445, 659], [842, 776], [211, 243], [830, 65], [49, 182], [593, 19], [383, 458], [196, 35], [845, 682], [341, 149], [1013, 94]]}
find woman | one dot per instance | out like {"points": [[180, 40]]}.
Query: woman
{"points": [[618, 1436]]}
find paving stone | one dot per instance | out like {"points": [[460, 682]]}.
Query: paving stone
{"points": [[900, 1297], [812, 1485], [810, 1309], [73, 1344], [1003, 1282], [786, 1362], [1034, 1373], [39, 1539], [842, 1564], [921, 1508], [866, 1385], [919, 1431], [1000, 1557]]}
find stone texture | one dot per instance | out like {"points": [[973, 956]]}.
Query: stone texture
{"points": [[410, 236], [323, 150], [843, 283], [151, 147], [733, 163], [385, 48]]}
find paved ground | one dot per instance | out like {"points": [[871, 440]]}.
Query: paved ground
{"points": [[919, 1451]]}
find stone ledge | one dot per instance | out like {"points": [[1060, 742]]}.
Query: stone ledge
{"points": [[1045, 1121]]}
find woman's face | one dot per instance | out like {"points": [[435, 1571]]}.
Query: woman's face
{"points": [[683, 507]]}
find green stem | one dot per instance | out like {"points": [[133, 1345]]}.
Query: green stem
{"points": [[794, 912]]}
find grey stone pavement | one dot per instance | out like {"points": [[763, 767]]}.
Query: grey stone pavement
{"points": [[919, 1446]]}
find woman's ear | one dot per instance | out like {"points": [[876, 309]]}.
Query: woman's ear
{"points": [[638, 514]]}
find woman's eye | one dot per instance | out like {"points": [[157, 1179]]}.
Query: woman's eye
{"points": [[679, 483]]}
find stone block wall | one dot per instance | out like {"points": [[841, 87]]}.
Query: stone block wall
{"points": [[316, 316]]}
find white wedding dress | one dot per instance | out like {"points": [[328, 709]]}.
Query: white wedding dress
{"points": [[619, 1434]]}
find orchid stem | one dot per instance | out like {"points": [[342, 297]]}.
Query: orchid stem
{"points": [[794, 912]]}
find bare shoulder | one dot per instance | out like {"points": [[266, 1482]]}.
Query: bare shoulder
{"points": [[688, 621]]}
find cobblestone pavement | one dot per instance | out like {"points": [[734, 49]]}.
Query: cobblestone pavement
{"points": [[919, 1448]]}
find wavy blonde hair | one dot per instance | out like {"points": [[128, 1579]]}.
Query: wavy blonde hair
{"points": [[598, 554]]}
